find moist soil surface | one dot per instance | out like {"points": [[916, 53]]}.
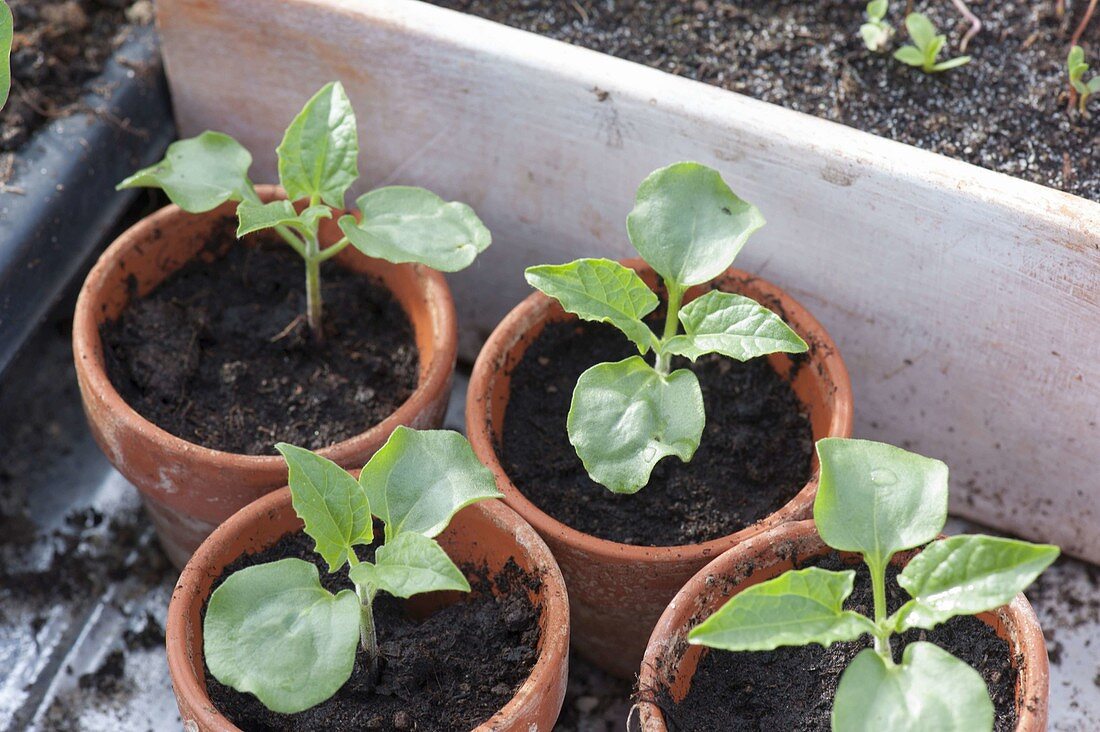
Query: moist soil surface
{"points": [[450, 671], [219, 354], [793, 688], [1006, 110], [58, 45], [755, 454]]}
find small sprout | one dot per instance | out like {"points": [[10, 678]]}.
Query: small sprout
{"points": [[625, 417], [926, 47], [876, 32], [272, 630], [876, 500], [7, 32], [1077, 67], [318, 162]]}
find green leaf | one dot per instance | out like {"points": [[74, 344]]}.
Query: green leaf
{"points": [[254, 216], [408, 565], [734, 326], [687, 223], [875, 36], [920, 30], [603, 291], [876, 9], [966, 575], [910, 55], [877, 499], [421, 478], [794, 609], [406, 224], [625, 417], [326, 497], [272, 630], [318, 157], [7, 32], [952, 63], [930, 690], [1076, 59], [200, 173], [1094, 85]]}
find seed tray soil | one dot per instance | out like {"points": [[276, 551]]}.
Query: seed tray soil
{"points": [[755, 453], [1005, 110], [450, 671], [219, 354], [793, 688]]}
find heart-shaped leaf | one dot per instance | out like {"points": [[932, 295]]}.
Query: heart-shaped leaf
{"points": [[625, 417], [272, 630], [200, 173], [603, 291], [794, 609], [734, 326], [408, 565], [406, 224], [319, 154]]}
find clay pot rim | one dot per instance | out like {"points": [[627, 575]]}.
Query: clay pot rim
{"points": [[537, 308], [88, 353], [1025, 635], [204, 566]]}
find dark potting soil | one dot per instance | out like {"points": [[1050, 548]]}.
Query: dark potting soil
{"points": [[450, 671], [793, 688], [58, 45], [754, 455], [1005, 110], [219, 353]]}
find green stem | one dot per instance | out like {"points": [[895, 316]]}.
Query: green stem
{"points": [[675, 298], [878, 586], [332, 251], [368, 635], [313, 287]]}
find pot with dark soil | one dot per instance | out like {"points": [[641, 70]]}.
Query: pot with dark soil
{"points": [[290, 615], [196, 353], [574, 434], [865, 626]]}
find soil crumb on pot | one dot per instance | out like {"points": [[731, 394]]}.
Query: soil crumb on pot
{"points": [[1005, 110], [450, 671], [220, 355], [754, 456], [793, 688]]}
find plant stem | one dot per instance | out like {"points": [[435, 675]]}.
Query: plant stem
{"points": [[675, 297], [975, 23], [878, 585], [368, 636], [332, 251], [1075, 40], [313, 287]]}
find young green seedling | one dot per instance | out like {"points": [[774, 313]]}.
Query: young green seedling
{"points": [[926, 47], [318, 161], [273, 631], [876, 32], [626, 416], [877, 500], [1077, 67], [7, 33]]}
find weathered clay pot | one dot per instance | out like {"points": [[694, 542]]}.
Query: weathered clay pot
{"points": [[617, 591], [189, 489], [486, 533], [670, 661]]}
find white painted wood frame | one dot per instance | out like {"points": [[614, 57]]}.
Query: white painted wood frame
{"points": [[966, 302]]}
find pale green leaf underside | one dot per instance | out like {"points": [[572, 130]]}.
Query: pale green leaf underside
{"points": [[318, 156], [603, 291], [734, 326], [920, 29], [877, 499], [951, 63], [7, 31], [254, 216], [625, 417], [200, 173], [420, 479], [966, 575], [910, 55], [273, 631], [406, 224], [929, 690], [326, 497], [409, 565], [687, 223], [794, 609]]}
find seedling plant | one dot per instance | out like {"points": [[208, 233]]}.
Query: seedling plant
{"points": [[318, 162], [274, 631], [926, 45], [1076, 66], [626, 416], [876, 500], [876, 32]]}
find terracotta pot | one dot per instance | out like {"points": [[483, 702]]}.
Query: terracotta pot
{"points": [[617, 591], [486, 533], [670, 661], [189, 489]]}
